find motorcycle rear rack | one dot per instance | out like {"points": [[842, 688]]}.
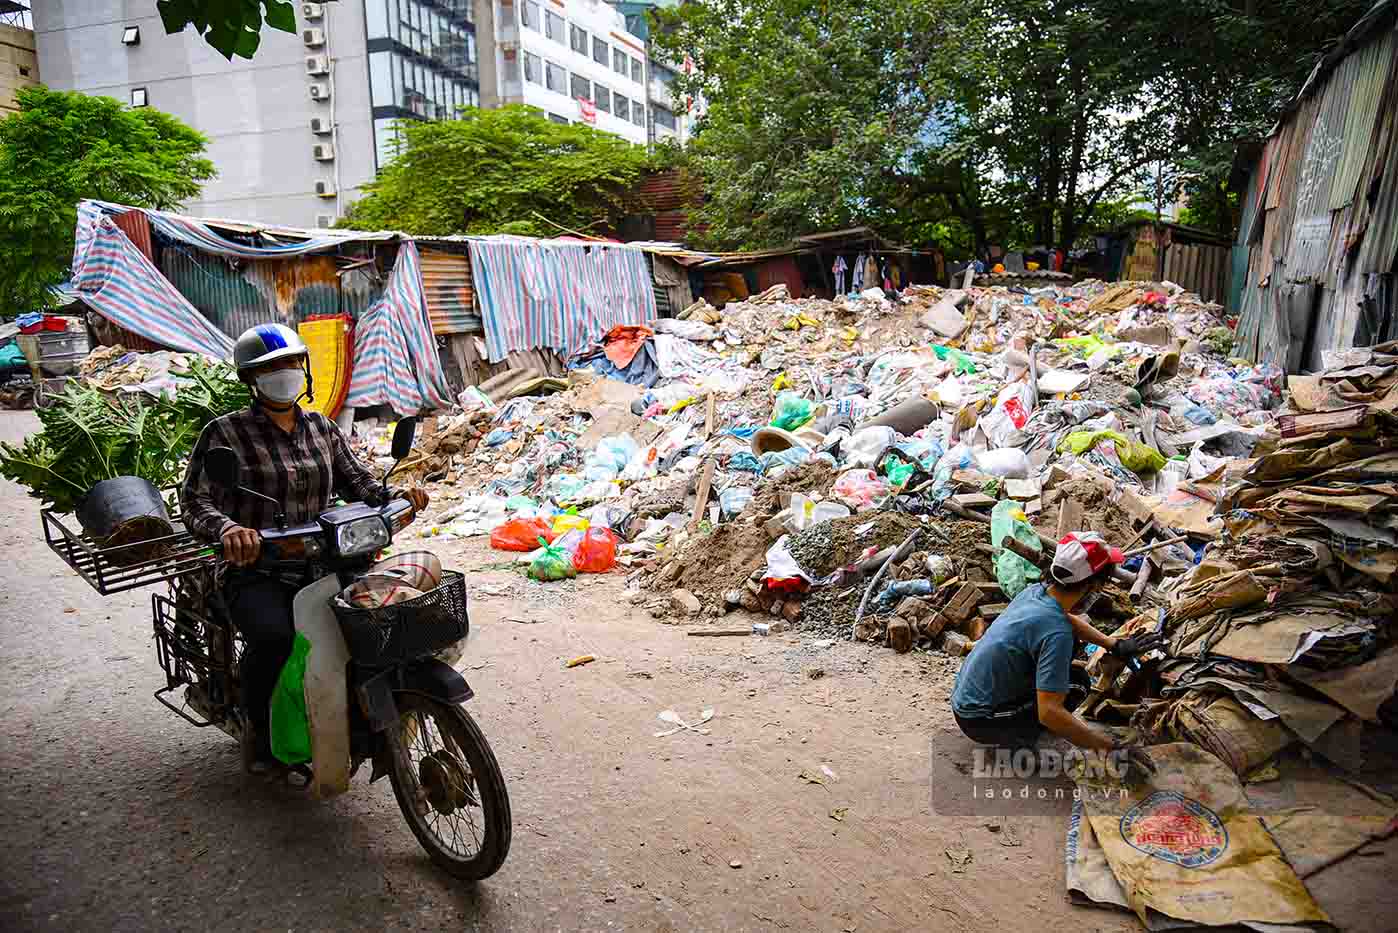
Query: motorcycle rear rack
{"points": [[197, 652], [181, 554]]}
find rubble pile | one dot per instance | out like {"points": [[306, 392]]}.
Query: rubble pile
{"points": [[764, 455]]}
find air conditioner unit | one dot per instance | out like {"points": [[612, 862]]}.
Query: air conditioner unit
{"points": [[325, 189], [321, 126], [312, 10], [317, 65], [320, 91], [325, 220], [324, 152], [313, 38]]}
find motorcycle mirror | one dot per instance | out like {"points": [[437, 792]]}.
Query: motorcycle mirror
{"points": [[403, 437], [221, 466]]}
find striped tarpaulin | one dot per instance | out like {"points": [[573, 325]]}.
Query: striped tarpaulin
{"points": [[395, 354], [116, 279], [198, 233], [557, 294]]}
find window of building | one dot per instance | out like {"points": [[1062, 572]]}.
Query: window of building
{"points": [[138, 97], [579, 39], [532, 16], [638, 113], [600, 51], [555, 78], [533, 72], [581, 87], [131, 35], [661, 73], [621, 105], [602, 97], [619, 61], [664, 117], [555, 27], [24, 71], [636, 70], [558, 118]]}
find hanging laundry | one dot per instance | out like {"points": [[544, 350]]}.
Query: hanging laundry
{"points": [[871, 271], [840, 268], [857, 284]]}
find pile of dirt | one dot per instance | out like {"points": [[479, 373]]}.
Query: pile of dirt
{"points": [[826, 546], [1099, 513], [714, 563]]}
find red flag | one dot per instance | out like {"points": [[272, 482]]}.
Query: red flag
{"points": [[587, 110]]}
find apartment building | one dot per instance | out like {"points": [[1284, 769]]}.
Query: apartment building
{"points": [[19, 65], [298, 129], [572, 59]]}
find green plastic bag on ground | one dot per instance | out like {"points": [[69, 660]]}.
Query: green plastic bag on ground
{"points": [[1012, 572], [791, 411], [291, 730], [1135, 456], [552, 563]]}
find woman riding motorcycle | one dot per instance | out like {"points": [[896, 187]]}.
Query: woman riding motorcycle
{"points": [[298, 458]]}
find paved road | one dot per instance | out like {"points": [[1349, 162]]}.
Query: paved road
{"points": [[116, 815]]}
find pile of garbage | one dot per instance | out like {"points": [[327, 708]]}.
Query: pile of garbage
{"points": [[760, 458]]}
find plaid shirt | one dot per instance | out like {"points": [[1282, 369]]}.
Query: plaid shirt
{"points": [[301, 470]]}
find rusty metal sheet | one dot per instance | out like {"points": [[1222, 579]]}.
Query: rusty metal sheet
{"points": [[446, 281], [1369, 74]]}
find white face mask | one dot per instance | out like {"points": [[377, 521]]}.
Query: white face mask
{"points": [[282, 386]]}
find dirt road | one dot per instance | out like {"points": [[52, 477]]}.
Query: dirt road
{"points": [[116, 815]]}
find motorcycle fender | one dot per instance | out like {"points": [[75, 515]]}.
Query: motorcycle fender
{"points": [[437, 679], [326, 687], [376, 701]]}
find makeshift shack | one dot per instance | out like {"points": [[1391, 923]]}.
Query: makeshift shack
{"points": [[1318, 240]]}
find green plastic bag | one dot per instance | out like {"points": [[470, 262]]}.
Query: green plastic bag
{"points": [[552, 563], [1133, 455], [962, 364], [291, 730], [1012, 572], [792, 411]]}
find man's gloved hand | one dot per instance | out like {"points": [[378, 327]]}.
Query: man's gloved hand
{"points": [[1135, 645]]}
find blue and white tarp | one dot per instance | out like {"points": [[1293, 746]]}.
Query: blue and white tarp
{"points": [[562, 295], [120, 283], [395, 353]]}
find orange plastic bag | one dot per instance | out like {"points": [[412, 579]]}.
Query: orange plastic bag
{"points": [[597, 551], [521, 534]]}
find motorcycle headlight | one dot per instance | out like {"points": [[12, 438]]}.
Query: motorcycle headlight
{"points": [[361, 536]]}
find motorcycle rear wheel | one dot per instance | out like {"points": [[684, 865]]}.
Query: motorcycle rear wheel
{"points": [[449, 787]]}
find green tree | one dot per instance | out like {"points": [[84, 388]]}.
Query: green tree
{"points": [[62, 147], [510, 170], [1015, 121], [233, 27]]}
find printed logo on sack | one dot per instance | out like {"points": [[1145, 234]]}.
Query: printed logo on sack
{"points": [[1175, 828]]}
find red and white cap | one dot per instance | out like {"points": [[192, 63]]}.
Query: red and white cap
{"points": [[1080, 554]]}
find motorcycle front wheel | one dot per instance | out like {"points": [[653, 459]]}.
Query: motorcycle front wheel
{"points": [[449, 787]]}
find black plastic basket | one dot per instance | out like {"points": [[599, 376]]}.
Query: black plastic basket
{"points": [[408, 630]]}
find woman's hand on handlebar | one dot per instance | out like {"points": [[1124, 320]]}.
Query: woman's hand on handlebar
{"points": [[417, 496], [241, 545]]}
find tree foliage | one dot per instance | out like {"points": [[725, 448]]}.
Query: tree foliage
{"points": [[968, 122], [62, 147], [510, 170], [233, 27]]}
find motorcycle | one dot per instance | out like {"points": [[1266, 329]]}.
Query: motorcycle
{"points": [[379, 682]]}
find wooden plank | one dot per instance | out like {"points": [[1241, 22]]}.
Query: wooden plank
{"points": [[701, 498], [993, 610], [1069, 517], [1143, 577], [973, 500]]}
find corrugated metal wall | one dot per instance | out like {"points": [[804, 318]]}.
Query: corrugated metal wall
{"points": [[1322, 247], [446, 281], [258, 291]]}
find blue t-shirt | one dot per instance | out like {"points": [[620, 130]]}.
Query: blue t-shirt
{"points": [[1028, 648]]}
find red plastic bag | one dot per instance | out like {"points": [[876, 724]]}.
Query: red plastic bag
{"points": [[597, 551], [521, 534]]}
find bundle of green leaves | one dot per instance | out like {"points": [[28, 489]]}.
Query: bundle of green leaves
{"points": [[90, 436]]}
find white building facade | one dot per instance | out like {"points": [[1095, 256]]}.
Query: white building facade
{"points": [[572, 59]]}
